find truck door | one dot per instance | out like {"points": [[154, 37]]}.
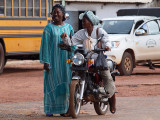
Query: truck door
{"points": [[147, 44]]}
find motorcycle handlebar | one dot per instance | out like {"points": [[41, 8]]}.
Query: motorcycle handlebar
{"points": [[99, 49]]}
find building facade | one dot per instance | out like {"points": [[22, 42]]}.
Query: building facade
{"points": [[102, 8]]}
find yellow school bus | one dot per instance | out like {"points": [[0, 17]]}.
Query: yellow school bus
{"points": [[21, 26]]}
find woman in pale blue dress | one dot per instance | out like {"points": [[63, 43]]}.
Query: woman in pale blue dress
{"points": [[57, 73]]}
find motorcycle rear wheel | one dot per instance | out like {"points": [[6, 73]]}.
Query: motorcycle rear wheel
{"points": [[74, 101], [100, 108]]}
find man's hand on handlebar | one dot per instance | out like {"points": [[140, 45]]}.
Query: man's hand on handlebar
{"points": [[108, 48]]}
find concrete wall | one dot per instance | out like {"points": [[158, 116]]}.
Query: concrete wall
{"points": [[102, 10]]}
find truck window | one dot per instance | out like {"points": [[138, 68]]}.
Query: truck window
{"points": [[138, 24], [145, 28], [153, 27], [118, 26]]}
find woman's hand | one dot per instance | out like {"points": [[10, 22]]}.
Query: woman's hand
{"points": [[46, 66], [63, 35]]}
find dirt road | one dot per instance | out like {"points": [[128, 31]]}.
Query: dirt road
{"points": [[22, 94]]}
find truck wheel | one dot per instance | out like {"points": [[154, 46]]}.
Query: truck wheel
{"points": [[126, 66], [2, 58]]}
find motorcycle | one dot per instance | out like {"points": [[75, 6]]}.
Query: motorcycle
{"points": [[87, 85]]}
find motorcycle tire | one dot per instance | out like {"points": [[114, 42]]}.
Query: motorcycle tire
{"points": [[100, 108], [74, 101]]}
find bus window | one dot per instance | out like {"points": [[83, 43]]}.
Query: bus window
{"points": [[2, 7], [50, 4], [30, 7], [36, 8], [43, 8], [23, 7], [16, 7], [9, 7]]}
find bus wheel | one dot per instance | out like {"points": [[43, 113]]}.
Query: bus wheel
{"points": [[2, 58]]}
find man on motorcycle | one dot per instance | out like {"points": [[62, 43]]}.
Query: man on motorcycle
{"points": [[88, 37]]}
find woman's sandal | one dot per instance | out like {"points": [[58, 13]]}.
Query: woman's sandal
{"points": [[49, 115], [65, 115]]}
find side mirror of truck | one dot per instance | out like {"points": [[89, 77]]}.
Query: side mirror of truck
{"points": [[140, 32]]}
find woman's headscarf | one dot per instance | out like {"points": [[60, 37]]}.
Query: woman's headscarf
{"points": [[92, 18], [62, 8]]}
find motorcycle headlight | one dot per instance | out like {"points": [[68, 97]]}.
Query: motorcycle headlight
{"points": [[78, 59]]}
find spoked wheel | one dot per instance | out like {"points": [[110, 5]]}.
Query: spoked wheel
{"points": [[100, 108], [74, 102]]}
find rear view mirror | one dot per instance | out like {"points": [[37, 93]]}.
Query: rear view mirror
{"points": [[140, 32], [67, 15]]}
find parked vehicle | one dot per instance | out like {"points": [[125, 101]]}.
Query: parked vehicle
{"points": [[139, 12], [87, 85], [135, 39], [21, 27]]}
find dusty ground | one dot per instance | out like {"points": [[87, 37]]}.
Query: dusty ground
{"points": [[23, 82], [21, 94], [143, 82]]}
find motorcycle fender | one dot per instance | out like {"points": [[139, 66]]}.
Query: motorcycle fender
{"points": [[76, 78]]}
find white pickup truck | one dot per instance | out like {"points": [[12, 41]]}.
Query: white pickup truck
{"points": [[135, 39]]}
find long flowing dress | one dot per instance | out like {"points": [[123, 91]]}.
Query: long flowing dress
{"points": [[58, 78]]}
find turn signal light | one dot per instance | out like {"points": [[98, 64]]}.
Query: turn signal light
{"points": [[90, 61], [68, 61]]}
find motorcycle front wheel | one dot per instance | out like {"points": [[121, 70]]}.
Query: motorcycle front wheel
{"points": [[100, 108], [74, 101]]}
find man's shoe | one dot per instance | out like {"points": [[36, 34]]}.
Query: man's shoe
{"points": [[112, 103], [67, 114]]}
